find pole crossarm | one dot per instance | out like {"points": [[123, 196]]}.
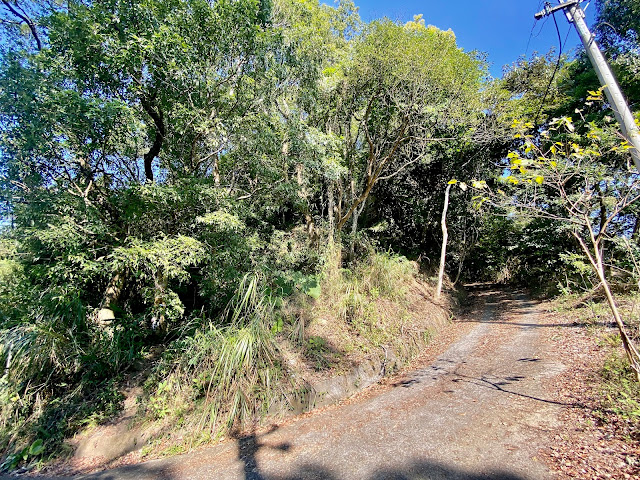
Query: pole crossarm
{"points": [[548, 9]]}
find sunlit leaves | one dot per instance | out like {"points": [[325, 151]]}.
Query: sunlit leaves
{"points": [[222, 220], [169, 255], [572, 173], [596, 95]]}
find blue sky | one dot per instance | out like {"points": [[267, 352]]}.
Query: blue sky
{"points": [[500, 28]]}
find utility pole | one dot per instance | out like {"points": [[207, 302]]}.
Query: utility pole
{"points": [[623, 115]]}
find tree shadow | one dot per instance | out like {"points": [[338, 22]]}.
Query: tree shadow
{"points": [[416, 470], [572, 324], [151, 470], [434, 372], [248, 446], [517, 303], [427, 469]]}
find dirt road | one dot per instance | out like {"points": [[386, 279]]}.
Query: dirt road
{"points": [[479, 410]]}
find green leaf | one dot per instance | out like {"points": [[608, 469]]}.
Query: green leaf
{"points": [[278, 325], [36, 448], [312, 287], [314, 292]]}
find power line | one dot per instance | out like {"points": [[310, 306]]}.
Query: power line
{"points": [[526, 51], [555, 70], [535, 21]]}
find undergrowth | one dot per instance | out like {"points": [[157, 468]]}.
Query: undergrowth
{"points": [[365, 308], [621, 393], [233, 372], [225, 375], [220, 372], [59, 375], [620, 388], [618, 391]]}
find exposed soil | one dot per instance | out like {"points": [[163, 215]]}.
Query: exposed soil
{"points": [[505, 394]]}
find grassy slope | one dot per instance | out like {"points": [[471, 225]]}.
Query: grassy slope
{"points": [[225, 379]]}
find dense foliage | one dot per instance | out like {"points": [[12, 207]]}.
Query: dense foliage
{"points": [[172, 172]]}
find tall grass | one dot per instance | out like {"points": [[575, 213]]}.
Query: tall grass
{"points": [[57, 372], [388, 274], [621, 393], [231, 372], [365, 306], [228, 373]]}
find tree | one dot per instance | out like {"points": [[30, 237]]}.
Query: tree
{"points": [[581, 178], [618, 24], [402, 90], [534, 85], [187, 80], [318, 36], [445, 236]]}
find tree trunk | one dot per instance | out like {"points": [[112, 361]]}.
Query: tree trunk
{"points": [[463, 255], [216, 169], [304, 196], [106, 315], [354, 230], [161, 282], [285, 156], [158, 120], [330, 208], [597, 263], [445, 237], [603, 221]]}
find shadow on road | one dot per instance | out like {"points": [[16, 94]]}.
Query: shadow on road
{"points": [[540, 325], [499, 384], [424, 469], [133, 472], [249, 445], [513, 306], [417, 470]]}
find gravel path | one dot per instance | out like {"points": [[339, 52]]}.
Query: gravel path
{"points": [[481, 410]]}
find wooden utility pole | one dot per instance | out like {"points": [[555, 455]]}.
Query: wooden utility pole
{"points": [[623, 115]]}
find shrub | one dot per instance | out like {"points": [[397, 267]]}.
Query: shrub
{"points": [[228, 372]]}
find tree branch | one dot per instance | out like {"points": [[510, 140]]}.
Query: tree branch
{"points": [[25, 18], [158, 120]]}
